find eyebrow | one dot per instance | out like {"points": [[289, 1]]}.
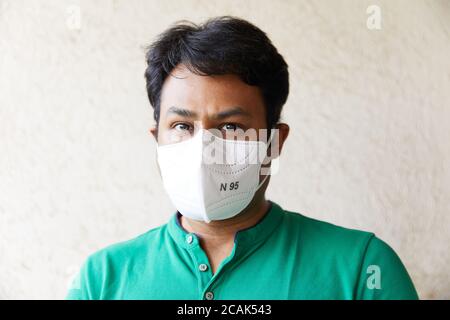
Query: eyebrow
{"points": [[182, 112], [233, 111]]}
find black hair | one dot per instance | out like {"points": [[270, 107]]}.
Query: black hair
{"points": [[221, 45]]}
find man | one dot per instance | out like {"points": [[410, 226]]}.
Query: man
{"points": [[209, 85]]}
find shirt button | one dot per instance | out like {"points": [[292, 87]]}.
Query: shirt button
{"points": [[203, 267], [209, 295], [189, 239]]}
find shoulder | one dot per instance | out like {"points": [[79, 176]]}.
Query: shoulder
{"points": [[128, 249], [327, 236], [102, 268], [365, 259]]}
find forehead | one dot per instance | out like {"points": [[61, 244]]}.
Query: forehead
{"points": [[189, 90]]}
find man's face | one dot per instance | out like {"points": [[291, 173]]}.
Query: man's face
{"points": [[190, 102]]}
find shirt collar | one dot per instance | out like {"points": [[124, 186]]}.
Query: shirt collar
{"points": [[245, 237]]}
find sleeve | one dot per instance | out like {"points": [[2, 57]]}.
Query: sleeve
{"points": [[84, 283], [383, 275]]}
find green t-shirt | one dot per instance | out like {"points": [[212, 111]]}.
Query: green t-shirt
{"points": [[284, 256]]}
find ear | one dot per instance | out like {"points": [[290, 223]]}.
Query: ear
{"points": [[154, 132], [283, 132]]}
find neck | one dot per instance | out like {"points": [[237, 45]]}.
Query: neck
{"points": [[225, 230]]}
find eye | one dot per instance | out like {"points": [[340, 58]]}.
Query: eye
{"points": [[230, 127], [182, 127]]}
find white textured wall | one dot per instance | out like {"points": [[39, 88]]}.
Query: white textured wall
{"points": [[369, 112]]}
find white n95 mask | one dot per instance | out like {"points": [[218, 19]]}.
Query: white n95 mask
{"points": [[210, 178]]}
